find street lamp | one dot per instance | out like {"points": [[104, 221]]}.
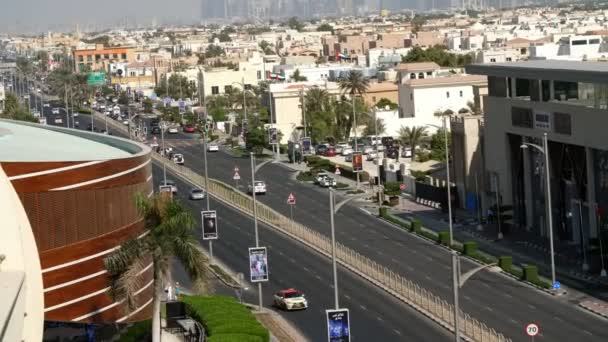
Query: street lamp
{"points": [[255, 169], [333, 209], [163, 125], [545, 150], [377, 154], [458, 281]]}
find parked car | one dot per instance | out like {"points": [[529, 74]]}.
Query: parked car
{"points": [[387, 141], [213, 147], [348, 158], [55, 110], [328, 182], [260, 188], [290, 299], [197, 194], [340, 147], [407, 152], [58, 120], [347, 151], [189, 128], [330, 152], [392, 152], [172, 130], [371, 156], [320, 150], [367, 149]]}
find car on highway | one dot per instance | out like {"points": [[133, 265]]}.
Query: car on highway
{"points": [[197, 194], [213, 147], [189, 129], [170, 183], [172, 130], [328, 182], [346, 151], [55, 110], [290, 299], [330, 152], [178, 158], [320, 176], [259, 188]]}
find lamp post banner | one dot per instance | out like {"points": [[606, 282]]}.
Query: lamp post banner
{"points": [[258, 264], [306, 146], [209, 224], [357, 162], [338, 325]]}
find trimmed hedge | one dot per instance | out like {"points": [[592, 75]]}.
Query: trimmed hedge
{"points": [[140, 331], [531, 273], [316, 162], [443, 238], [225, 319], [416, 226], [470, 248], [506, 263]]}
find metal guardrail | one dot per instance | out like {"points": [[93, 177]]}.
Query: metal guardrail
{"points": [[407, 291]]}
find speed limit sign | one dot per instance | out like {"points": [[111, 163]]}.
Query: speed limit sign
{"points": [[532, 329]]}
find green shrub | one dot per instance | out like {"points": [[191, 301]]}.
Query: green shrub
{"points": [[443, 238], [341, 185], [531, 273], [84, 110], [392, 188], [383, 212], [505, 262], [140, 331], [428, 234], [470, 248], [305, 176], [416, 226], [224, 316]]}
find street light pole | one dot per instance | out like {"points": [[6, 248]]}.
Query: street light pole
{"points": [[333, 248], [207, 185], [355, 126], [162, 138], [377, 155], [255, 220], [447, 171], [244, 100], [456, 287]]}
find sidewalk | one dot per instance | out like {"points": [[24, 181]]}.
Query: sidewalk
{"points": [[524, 248]]}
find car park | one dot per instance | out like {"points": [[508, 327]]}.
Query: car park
{"points": [[178, 158], [197, 194], [213, 147], [327, 182], [259, 188], [290, 299]]}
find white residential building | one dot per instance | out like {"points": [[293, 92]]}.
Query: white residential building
{"points": [[422, 98], [571, 48]]}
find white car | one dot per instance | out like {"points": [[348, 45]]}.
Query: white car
{"points": [[197, 194], [55, 110], [102, 107], [107, 113], [347, 150], [46, 105], [171, 184], [290, 299], [75, 114], [58, 120], [213, 148], [260, 188], [125, 122], [178, 158], [320, 176], [371, 156], [172, 130], [328, 182]]}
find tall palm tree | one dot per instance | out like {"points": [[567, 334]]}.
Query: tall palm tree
{"points": [[412, 136], [171, 234], [354, 84], [316, 99]]}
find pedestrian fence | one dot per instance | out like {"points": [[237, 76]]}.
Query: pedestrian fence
{"points": [[396, 284]]}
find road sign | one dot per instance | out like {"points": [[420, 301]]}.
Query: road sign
{"points": [[96, 78], [236, 176], [291, 199], [532, 329], [337, 170], [557, 285], [338, 325], [401, 186]]}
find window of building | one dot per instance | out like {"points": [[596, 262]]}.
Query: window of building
{"points": [[259, 74], [579, 42], [447, 94], [228, 89], [461, 93], [497, 86], [565, 90], [124, 56], [106, 56], [80, 58], [115, 56], [522, 87], [429, 73], [89, 58], [509, 59], [373, 99], [492, 60], [412, 96], [97, 57], [215, 90], [562, 123], [522, 117], [594, 41], [546, 89], [133, 73], [412, 76], [421, 75]]}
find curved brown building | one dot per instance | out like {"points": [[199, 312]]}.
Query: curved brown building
{"points": [[78, 190]]}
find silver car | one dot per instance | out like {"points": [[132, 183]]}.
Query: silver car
{"points": [[197, 194]]}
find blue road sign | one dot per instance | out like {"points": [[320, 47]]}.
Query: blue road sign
{"points": [[557, 285]]}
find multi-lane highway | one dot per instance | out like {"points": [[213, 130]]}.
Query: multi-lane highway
{"points": [[500, 302], [374, 314]]}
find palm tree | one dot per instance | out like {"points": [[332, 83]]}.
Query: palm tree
{"points": [[170, 234], [412, 136], [354, 84], [316, 99]]}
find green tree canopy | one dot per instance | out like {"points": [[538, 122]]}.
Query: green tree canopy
{"points": [[297, 77], [214, 51], [13, 110], [439, 55], [412, 137], [266, 47], [384, 102], [295, 24], [437, 144], [325, 28], [178, 87]]}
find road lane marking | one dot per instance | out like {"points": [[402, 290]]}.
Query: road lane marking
{"points": [[557, 318], [489, 308], [508, 295], [397, 332], [379, 252], [363, 307], [379, 318], [428, 278], [365, 245], [410, 268], [587, 332], [531, 306], [467, 298], [394, 260], [292, 260], [306, 269], [429, 258], [486, 285], [514, 321], [346, 296], [318, 276]]}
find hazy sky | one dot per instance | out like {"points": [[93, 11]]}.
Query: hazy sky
{"points": [[56, 15]]}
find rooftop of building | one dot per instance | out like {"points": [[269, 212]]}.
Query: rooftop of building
{"points": [[557, 70], [447, 81], [417, 66], [32, 142]]}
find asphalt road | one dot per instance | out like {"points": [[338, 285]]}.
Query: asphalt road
{"points": [[374, 314], [501, 303]]}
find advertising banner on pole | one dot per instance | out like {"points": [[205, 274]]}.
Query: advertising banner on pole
{"points": [[338, 325], [357, 162], [306, 146], [272, 136], [209, 225], [258, 264], [182, 106]]}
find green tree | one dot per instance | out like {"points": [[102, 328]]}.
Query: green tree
{"points": [[42, 59], [170, 236], [297, 77], [325, 28], [123, 99], [13, 110], [147, 105], [320, 117], [371, 127], [223, 37], [213, 51], [179, 87], [295, 24], [418, 23], [439, 55], [256, 136], [384, 102], [353, 84], [25, 66], [437, 144], [266, 47], [412, 137]]}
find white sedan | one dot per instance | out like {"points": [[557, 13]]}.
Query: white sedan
{"points": [[213, 148], [290, 299], [260, 188], [172, 130]]}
